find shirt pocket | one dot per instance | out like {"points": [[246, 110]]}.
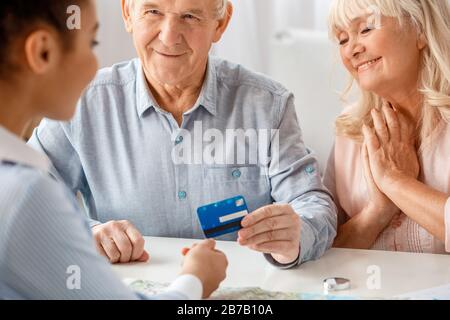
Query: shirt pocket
{"points": [[251, 182]]}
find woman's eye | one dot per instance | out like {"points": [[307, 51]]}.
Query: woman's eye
{"points": [[343, 41], [366, 30]]}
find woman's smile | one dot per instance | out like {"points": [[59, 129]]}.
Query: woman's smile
{"points": [[364, 66]]}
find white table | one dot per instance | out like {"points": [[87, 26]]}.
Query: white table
{"points": [[400, 272]]}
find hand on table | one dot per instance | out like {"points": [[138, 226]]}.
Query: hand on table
{"points": [[206, 263], [120, 242]]}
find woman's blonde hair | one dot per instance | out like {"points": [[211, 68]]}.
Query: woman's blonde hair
{"points": [[431, 19]]}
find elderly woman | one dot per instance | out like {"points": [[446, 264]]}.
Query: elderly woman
{"points": [[390, 168], [147, 146]]}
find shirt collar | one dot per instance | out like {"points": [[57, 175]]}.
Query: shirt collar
{"points": [[207, 98], [14, 150]]}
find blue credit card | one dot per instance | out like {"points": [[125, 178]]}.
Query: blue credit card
{"points": [[222, 217]]}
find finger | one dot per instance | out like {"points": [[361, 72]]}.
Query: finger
{"points": [[371, 140], [137, 242], [192, 247], [100, 250], [223, 256], [185, 251], [269, 236], [273, 247], [144, 257], [366, 165], [124, 245], [380, 126], [112, 252], [392, 123], [264, 213], [275, 223], [209, 243]]}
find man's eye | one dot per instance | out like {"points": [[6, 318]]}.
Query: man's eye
{"points": [[153, 12], [190, 17]]}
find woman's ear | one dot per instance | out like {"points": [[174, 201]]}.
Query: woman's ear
{"points": [[422, 41], [223, 23], [42, 51]]}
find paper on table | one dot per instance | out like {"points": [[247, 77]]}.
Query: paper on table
{"points": [[251, 293], [436, 293]]}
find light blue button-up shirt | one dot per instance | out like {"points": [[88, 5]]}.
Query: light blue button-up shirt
{"points": [[46, 246], [119, 149]]}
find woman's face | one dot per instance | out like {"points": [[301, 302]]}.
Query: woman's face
{"points": [[383, 59], [76, 68]]}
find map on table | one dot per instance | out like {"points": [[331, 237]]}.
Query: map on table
{"points": [[227, 293]]}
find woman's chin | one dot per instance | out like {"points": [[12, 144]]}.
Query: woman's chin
{"points": [[370, 86]]}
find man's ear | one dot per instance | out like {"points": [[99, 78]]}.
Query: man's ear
{"points": [[127, 8], [223, 23], [422, 41], [42, 51]]}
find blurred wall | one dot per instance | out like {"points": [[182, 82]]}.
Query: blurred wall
{"points": [[115, 43]]}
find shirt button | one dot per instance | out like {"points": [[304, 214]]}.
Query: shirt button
{"points": [[310, 169], [237, 173], [179, 140], [182, 195]]}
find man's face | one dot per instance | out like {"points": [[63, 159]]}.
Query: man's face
{"points": [[173, 37]]}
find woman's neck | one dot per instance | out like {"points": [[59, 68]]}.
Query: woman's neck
{"points": [[14, 113], [408, 102]]}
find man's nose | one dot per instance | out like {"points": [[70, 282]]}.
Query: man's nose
{"points": [[170, 34]]}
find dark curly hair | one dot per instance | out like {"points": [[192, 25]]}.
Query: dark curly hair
{"points": [[19, 17]]}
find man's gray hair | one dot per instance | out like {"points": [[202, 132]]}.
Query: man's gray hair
{"points": [[221, 8]]}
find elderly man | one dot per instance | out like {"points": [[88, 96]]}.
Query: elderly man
{"points": [[136, 148]]}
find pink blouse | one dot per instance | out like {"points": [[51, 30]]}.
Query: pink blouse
{"points": [[345, 179], [447, 226]]}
